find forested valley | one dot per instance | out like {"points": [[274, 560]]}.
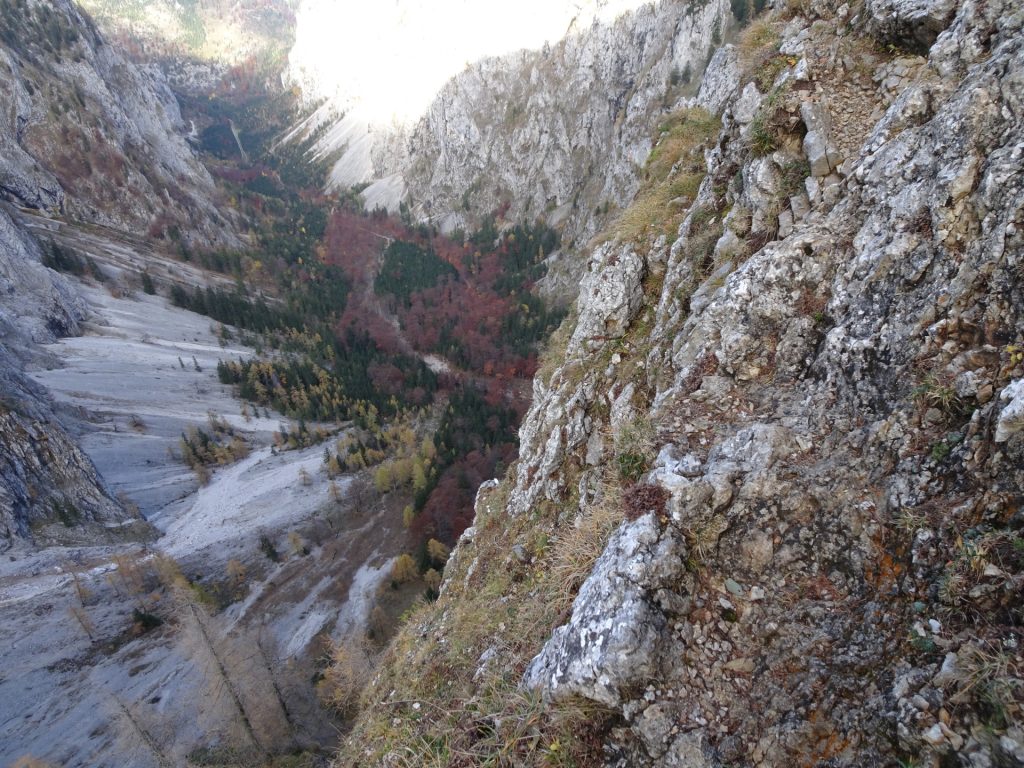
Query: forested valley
{"points": [[367, 318]]}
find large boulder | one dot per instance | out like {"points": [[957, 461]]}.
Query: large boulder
{"points": [[911, 24], [611, 642]]}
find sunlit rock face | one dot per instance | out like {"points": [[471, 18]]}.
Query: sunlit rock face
{"points": [[89, 133], [533, 110], [389, 60]]}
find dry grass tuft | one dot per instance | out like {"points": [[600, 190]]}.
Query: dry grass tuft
{"points": [[447, 691], [634, 449], [993, 678], [703, 535], [576, 548], [758, 42], [347, 673], [672, 175]]}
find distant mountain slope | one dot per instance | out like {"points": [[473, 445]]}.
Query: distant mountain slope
{"points": [[91, 135], [220, 30], [196, 43], [87, 136], [558, 132]]}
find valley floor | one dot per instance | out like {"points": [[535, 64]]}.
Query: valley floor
{"points": [[83, 683]]}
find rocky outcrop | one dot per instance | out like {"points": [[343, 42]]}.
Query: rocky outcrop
{"points": [[36, 304], [93, 136], [916, 23], [50, 492], [563, 131], [608, 646], [838, 413], [560, 133]]}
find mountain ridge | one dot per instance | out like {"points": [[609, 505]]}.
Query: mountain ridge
{"points": [[766, 507], [766, 503], [585, 107]]}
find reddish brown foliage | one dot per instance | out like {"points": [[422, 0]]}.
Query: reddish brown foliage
{"points": [[449, 511], [237, 175], [639, 499], [461, 319]]}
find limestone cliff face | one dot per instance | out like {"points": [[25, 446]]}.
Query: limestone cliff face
{"points": [[50, 492], [830, 414], [563, 131], [89, 134], [560, 133], [797, 420]]}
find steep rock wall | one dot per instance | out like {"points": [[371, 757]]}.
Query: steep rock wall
{"points": [[92, 135], [563, 131], [50, 493], [797, 425], [832, 417]]}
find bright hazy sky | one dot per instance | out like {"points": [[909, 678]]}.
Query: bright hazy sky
{"points": [[387, 59]]}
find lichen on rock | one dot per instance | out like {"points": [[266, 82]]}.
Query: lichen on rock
{"points": [[826, 360]]}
